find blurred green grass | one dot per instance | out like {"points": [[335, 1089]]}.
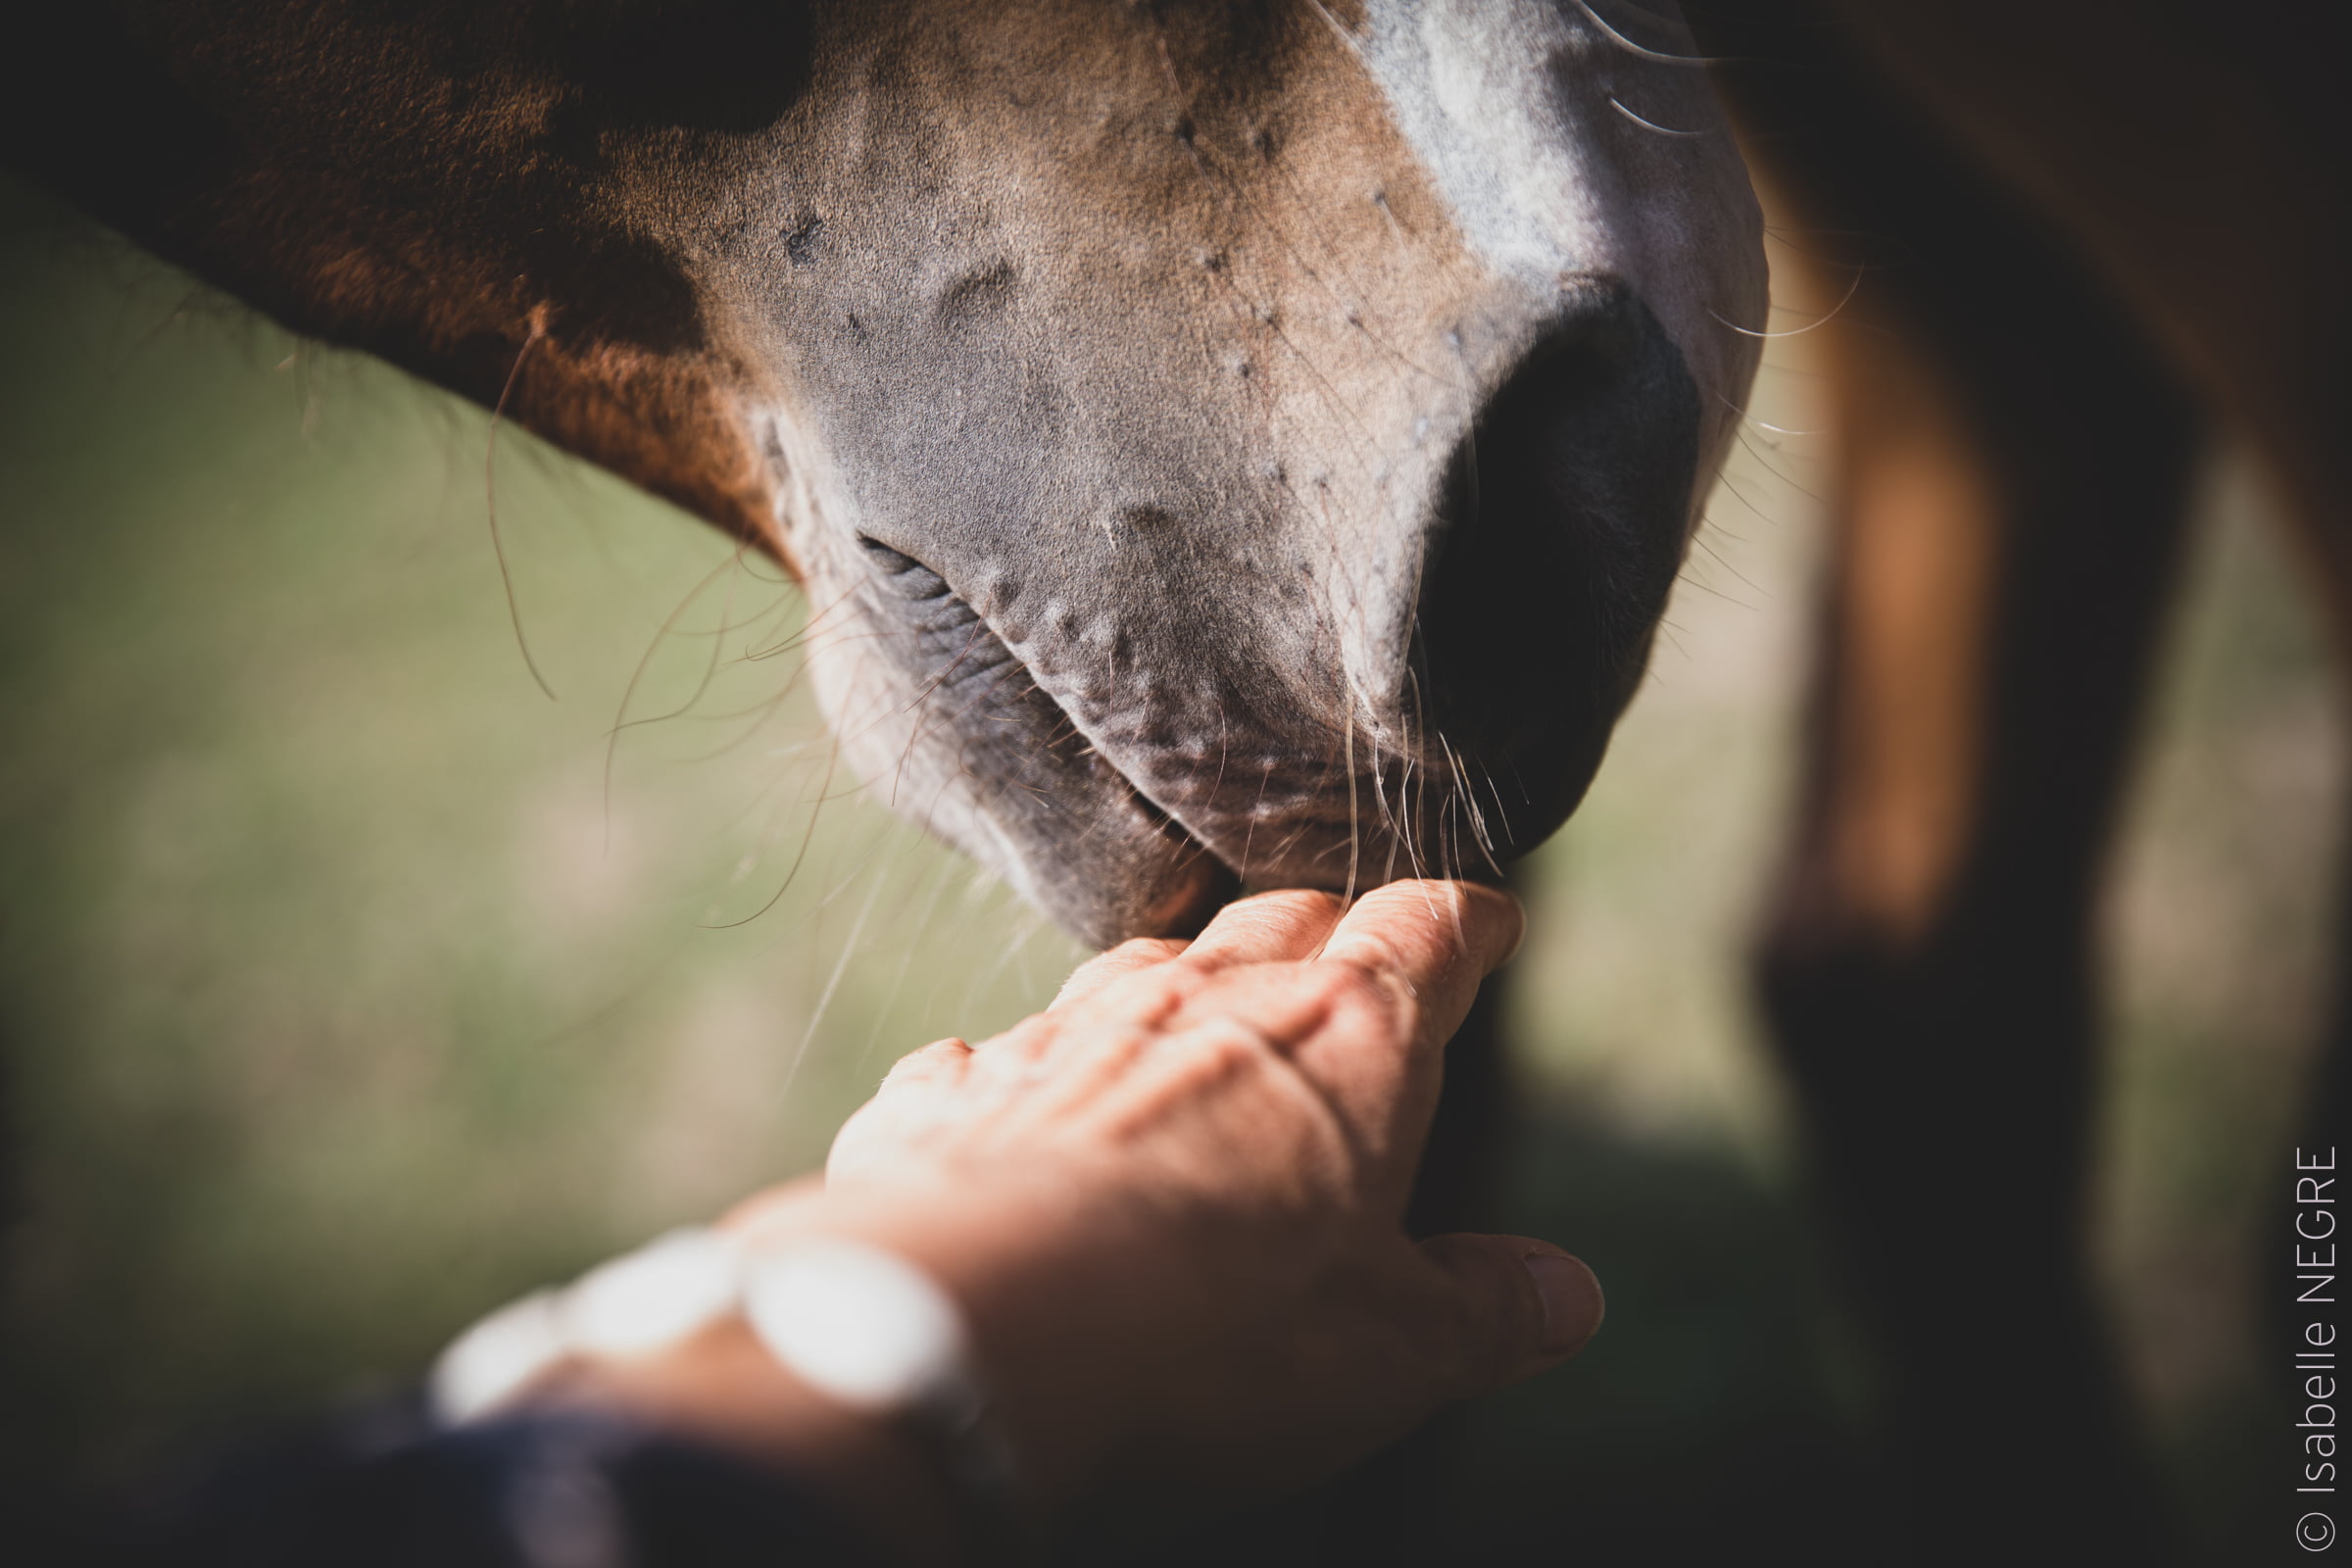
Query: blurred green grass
{"points": [[341, 999], [343, 995]]}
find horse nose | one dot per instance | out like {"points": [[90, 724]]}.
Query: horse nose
{"points": [[1555, 538]]}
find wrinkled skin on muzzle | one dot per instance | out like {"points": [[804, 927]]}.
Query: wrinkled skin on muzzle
{"points": [[1223, 444], [1246, 445]]}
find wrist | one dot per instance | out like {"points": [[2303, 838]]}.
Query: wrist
{"points": [[721, 1387], [1053, 1320], [827, 1354]]}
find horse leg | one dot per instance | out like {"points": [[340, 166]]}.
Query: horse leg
{"points": [[1927, 965], [2197, 158], [2007, 499]]}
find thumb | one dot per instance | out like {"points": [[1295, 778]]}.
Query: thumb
{"points": [[1521, 1306]]}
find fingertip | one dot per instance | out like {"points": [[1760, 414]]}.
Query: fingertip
{"points": [[1521, 1306], [1289, 924], [1513, 918], [1424, 929], [1574, 1305], [1491, 919]]}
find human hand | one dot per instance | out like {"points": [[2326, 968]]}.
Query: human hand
{"points": [[1171, 1204], [1170, 1207]]}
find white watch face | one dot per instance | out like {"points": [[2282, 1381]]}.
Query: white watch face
{"points": [[491, 1361], [654, 1296], [857, 1323]]}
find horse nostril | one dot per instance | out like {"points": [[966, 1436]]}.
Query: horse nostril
{"points": [[1559, 536]]}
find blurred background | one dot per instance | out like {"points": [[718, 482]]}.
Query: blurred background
{"points": [[349, 986]]}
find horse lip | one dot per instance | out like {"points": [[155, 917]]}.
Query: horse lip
{"points": [[1189, 908], [1209, 882]]}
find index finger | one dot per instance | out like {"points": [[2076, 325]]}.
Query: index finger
{"points": [[1439, 938]]}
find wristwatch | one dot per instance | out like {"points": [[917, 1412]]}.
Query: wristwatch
{"points": [[856, 1322]]}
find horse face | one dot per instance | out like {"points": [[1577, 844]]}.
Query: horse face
{"points": [[1224, 443], [1227, 442]]}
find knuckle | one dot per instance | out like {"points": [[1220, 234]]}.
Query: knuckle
{"points": [[1328, 982], [1153, 994], [1347, 985], [1142, 996], [1221, 1049], [1024, 1042]]}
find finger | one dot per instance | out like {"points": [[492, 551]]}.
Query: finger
{"points": [[1143, 952], [1268, 928], [1440, 939], [939, 1061], [1517, 1307]]}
